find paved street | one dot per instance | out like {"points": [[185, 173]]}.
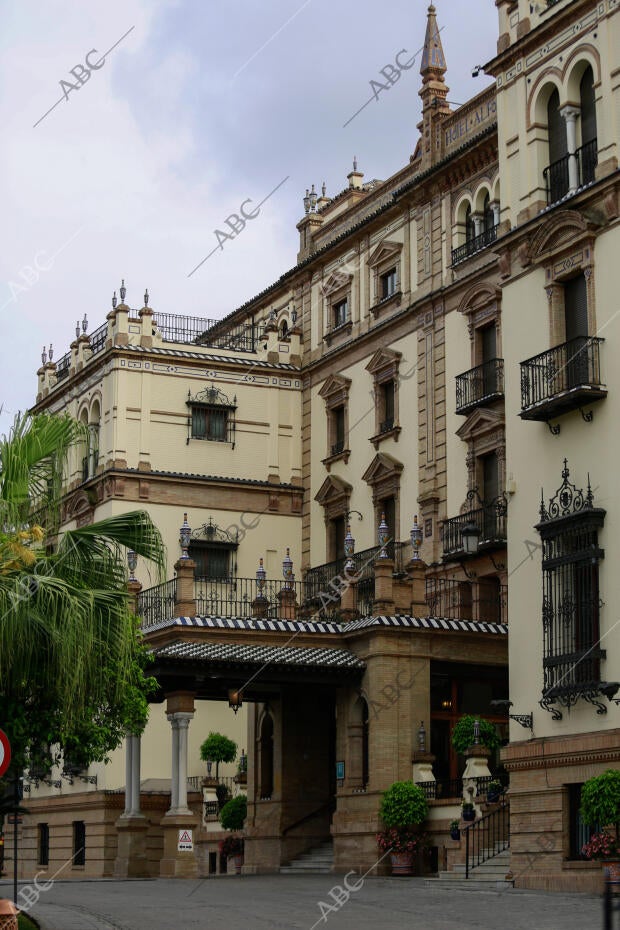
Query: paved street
{"points": [[291, 902]]}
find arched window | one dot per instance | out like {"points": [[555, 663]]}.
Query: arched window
{"points": [[488, 215], [470, 229], [283, 329], [266, 757], [588, 151], [93, 439], [556, 174]]}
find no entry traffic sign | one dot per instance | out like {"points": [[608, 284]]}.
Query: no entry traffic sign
{"points": [[5, 753]]}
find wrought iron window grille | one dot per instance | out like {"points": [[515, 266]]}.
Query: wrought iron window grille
{"points": [[571, 604], [211, 416]]}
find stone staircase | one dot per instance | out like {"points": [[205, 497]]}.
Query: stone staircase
{"points": [[316, 861], [489, 876]]}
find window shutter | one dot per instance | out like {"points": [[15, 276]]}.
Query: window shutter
{"points": [[588, 107], [558, 144]]}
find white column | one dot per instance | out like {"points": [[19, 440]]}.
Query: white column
{"points": [[477, 218], [183, 720], [570, 115], [495, 208], [174, 789], [135, 777], [128, 771]]}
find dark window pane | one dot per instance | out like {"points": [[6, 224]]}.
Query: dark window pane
{"points": [[588, 107], [558, 144], [79, 842]]}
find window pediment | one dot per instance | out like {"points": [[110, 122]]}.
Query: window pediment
{"points": [[382, 468], [335, 390], [384, 361], [333, 491], [337, 281], [481, 422], [385, 252], [561, 230]]}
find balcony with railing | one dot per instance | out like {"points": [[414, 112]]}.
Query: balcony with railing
{"points": [[476, 244], [561, 379], [489, 519], [557, 175], [451, 599], [480, 386], [89, 465]]}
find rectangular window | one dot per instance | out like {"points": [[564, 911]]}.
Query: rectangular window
{"points": [[338, 530], [340, 313], [43, 843], [210, 423], [79, 842], [387, 406], [388, 284], [578, 832], [338, 431], [211, 561]]}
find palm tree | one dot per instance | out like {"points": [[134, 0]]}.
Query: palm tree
{"points": [[68, 645]]}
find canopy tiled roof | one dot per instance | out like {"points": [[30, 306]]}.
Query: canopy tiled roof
{"points": [[241, 653], [319, 626]]}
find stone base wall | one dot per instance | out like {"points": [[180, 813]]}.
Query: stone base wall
{"points": [[99, 810], [540, 772]]}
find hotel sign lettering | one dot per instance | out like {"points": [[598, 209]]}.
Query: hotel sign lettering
{"points": [[470, 123]]}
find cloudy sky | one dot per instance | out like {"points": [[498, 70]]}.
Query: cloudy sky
{"points": [[200, 106]]}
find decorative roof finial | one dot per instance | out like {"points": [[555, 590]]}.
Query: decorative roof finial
{"points": [[324, 189], [43, 356], [122, 291], [114, 301], [50, 351], [146, 298], [84, 324], [77, 329], [355, 162]]}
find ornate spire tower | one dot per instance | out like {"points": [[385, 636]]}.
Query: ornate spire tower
{"points": [[433, 92]]}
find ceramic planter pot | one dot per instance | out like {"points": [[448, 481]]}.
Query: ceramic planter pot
{"points": [[492, 797], [611, 870], [402, 863], [455, 834], [469, 815]]}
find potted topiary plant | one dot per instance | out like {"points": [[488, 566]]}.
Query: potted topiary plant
{"points": [[600, 807], [495, 790], [218, 748], [469, 811], [232, 817], [463, 734], [403, 806], [455, 829]]}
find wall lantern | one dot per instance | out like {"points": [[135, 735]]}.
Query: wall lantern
{"points": [[235, 699]]}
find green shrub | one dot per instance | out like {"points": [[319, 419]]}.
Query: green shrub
{"points": [[403, 804], [233, 814], [463, 734], [600, 799]]}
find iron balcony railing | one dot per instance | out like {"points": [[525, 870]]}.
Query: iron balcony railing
{"points": [[557, 174], [444, 788], [386, 425], [487, 837], [480, 385], [338, 447], [565, 368], [195, 330], [478, 242], [451, 599], [62, 367], [242, 597], [158, 603], [490, 519], [98, 338]]}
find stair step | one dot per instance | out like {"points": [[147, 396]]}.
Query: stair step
{"points": [[470, 884], [318, 861]]}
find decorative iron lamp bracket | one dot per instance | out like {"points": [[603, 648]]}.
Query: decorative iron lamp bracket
{"points": [[553, 429], [587, 416], [525, 720], [88, 779]]}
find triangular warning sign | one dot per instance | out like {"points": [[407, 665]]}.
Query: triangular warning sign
{"points": [[185, 836]]}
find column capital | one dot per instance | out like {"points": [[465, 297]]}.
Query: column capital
{"points": [[570, 113]]}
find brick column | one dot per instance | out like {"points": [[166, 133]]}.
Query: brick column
{"points": [[416, 571], [384, 600], [132, 826], [185, 603]]}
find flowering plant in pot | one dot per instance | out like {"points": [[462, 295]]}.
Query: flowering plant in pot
{"points": [[600, 808], [403, 806], [469, 811], [455, 829], [494, 791]]}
